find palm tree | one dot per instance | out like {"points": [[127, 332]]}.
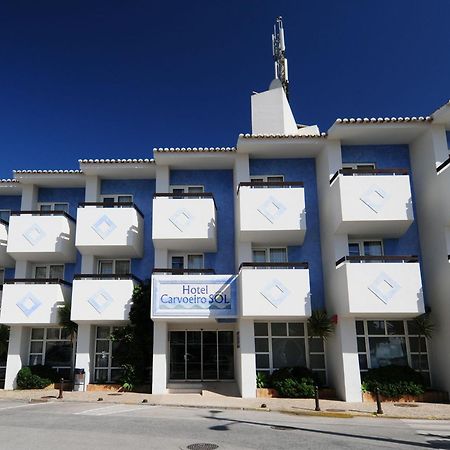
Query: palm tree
{"points": [[64, 321], [320, 325], [424, 328]]}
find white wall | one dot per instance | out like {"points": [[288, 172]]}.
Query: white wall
{"points": [[5, 259]]}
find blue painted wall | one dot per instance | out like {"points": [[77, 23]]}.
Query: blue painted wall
{"points": [[448, 138], [72, 196], [390, 156], [142, 192], [220, 183], [301, 170]]}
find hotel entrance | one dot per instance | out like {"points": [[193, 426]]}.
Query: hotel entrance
{"points": [[201, 355]]}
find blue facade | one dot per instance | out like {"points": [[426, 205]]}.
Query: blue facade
{"points": [[447, 133], [142, 192], [310, 252], [220, 183]]}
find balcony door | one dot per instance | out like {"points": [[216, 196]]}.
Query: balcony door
{"points": [[201, 355]]}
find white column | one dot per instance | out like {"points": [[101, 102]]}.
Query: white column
{"points": [[160, 355], [85, 343], [162, 179], [247, 360], [88, 264], [92, 188], [19, 341], [29, 197]]}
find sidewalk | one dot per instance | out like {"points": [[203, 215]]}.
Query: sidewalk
{"points": [[329, 408]]}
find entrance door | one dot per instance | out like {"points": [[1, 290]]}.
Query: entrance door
{"points": [[201, 355]]}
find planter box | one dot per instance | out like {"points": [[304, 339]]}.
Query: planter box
{"points": [[266, 393], [426, 397]]}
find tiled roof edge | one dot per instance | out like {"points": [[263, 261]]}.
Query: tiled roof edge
{"points": [[116, 161], [194, 149], [65, 171], [277, 136], [374, 120]]}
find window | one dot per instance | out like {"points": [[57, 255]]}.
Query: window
{"points": [[187, 261], [286, 344], [270, 254], [357, 166], [44, 271], [5, 214], [114, 267], [109, 200], [267, 178], [391, 342], [54, 207], [366, 248], [186, 189], [52, 347], [107, 356], [2, 278]]}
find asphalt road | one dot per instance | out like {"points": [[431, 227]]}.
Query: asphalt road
{"points": [[77, 426]]}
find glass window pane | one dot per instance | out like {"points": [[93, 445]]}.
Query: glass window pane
{"points": [[5, 214], [57, 271], [278, 255], [418, 361], [122, 267], [395, 327], [45, 207], [259, 256], [105, 267], [125, 199], [375, 327], [107, 201], [361, 344], [262, 361], [40, 272], [103, 332], [279, 329], [385, 351], [261, 329], [225, 337], [296, 329], [101, 375], [261, 345], [102, 345], [53, 333], [316, 345], [37, 333], [412, 327], [359, 327], [115, 375], [288, 352], [58, 354], [414, 344], [102, 360], [36, 347], [353, 249], [62, 207], [276, 179], [317, 361], [195, 261], [196, 189], [373, 248], [362, 362], [177, 262], [65, 334], [35, 360]]}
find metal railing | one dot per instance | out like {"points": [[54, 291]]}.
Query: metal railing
{"points": [[274, 265], [112, 205], [184, 271], [43, 213], [269, 184], [37, 281], [379, 259], [109, 276], [182, 195], [443, 165], [345, 172]]}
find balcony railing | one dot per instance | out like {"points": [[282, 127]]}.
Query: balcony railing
{"points": [[379, 259], [443, 165], [112, 205], [109, 276], [351, 172], [171, 271], [274, 265], [270, 184], [182, 195], [43, 213], [37, 281]]}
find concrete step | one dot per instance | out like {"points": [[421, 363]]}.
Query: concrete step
{"points": [[184, 388]]}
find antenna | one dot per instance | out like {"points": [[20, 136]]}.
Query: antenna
{"points": [[279, 57]]}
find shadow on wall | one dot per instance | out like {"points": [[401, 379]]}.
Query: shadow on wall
{"points": [[212, 229], [409, 209]]}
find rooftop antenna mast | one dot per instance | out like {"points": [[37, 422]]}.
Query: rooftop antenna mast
{"points": [[279, 57]]}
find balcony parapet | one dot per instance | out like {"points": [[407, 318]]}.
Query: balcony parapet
{"points": [[351, 172], [378, 259], [111, 205], [170, 271], [270, 184]]}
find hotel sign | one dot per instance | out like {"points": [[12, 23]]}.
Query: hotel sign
{"points": [[194, 296]]}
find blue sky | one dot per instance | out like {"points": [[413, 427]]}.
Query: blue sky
{"points": [[114, 78]]}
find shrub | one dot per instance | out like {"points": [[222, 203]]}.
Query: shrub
{"points": [[393, 381], [35, 377], [262, 381], [293, 382]]}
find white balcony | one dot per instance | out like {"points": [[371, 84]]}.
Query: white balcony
{"points": [[41, 236], [193, 296], [100, 298], [379, 204], [187, 223], [382, 289], [33, 302], [270, 290], [443, 172], [113, 232], [272, 213], [5, 259]]}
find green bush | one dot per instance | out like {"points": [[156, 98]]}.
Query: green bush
{"points": [[262, 381], [393, 381], [36, 377], [293, 382]]}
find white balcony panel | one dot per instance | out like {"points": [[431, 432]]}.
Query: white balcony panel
{"points": [[41, 238], [444, 187], [5, 259], [275, 293], [185, 224], [194, 297], [379, 289], [100, 301], [378, 205], [114, 232], [272, 215], [33, 304]]}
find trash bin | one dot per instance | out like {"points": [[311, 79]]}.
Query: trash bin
{"points": [[79, 380]]}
